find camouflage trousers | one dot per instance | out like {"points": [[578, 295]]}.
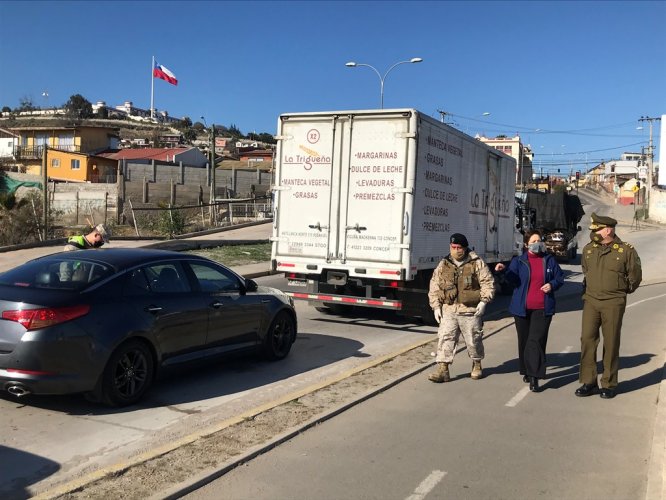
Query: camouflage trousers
{"points": [[450, 328]]}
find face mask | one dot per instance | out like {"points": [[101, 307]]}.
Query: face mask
{"points": [[458, 254], [98, 244], [537, 247], [596, 237]]}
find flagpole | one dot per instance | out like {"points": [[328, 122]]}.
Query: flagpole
{"points": [[152, 90]]}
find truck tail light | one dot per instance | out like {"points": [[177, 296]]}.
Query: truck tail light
{"points": [[35, 319]]}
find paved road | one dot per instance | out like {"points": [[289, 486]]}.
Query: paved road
{"points": [[488, 439], [99, 438], [494, 439]]}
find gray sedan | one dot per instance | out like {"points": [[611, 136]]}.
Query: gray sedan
{"points": [[104, 322]]}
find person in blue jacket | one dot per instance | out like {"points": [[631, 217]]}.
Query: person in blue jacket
{"points": [[536, 275]]}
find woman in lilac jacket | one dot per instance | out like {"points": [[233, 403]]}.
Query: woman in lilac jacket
{"points": [[536, 275]]}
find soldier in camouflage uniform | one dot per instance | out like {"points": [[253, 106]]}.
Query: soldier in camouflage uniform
{"points": [[612, 269], [460, 288]]}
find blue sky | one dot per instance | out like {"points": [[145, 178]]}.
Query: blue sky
{"points": [[572, 78]]}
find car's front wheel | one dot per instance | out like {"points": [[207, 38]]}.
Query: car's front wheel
{"points": [[279, 337], [128, 374]]}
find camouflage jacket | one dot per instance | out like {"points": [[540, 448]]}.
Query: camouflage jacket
{"points": [[451, 285]]}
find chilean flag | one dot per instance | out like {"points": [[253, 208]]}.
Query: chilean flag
{"points": [[163, 73]]}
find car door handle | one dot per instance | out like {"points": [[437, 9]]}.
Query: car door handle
{"points": [[216, 304], [153, 309], [265, 301]]}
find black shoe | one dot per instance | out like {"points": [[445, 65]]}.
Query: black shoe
{"points": [[534, 384], [526, 378], [586, 390], [607, 393]]}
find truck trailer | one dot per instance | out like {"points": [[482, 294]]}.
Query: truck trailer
{"points": [[556, 215], [365, 203]]}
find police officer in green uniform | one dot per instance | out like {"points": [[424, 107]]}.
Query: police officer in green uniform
{"points": [[612, 269], [94, 239]]}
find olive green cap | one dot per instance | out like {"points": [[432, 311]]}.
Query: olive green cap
{"points": [[601, 221]]}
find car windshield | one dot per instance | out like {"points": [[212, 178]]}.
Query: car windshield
{"points": [[65, 274]]}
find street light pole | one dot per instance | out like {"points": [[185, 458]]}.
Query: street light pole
{"points": [[353, 64]]}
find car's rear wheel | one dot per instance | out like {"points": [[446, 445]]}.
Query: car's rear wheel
{"points": [[279, 337], [128, 374]]}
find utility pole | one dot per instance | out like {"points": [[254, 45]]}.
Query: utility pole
{"points": [[650, 160], [45, 181], [211, 152]]}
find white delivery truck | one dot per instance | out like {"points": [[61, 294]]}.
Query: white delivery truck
{"points": [[365, 203]]}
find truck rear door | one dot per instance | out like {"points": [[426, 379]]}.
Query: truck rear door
{"points": [[341, 187], [373, 187], [304, 187]]}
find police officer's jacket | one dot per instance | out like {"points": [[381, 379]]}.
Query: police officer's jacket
{"points": [[518, 274], [77, 243], [612, 270], [460, 288]]}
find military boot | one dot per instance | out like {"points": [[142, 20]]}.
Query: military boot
{"points": [[441, 374], [477, 373]]}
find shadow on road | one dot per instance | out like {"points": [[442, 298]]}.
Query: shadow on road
{"points": [[216, 377], [21, 469]]}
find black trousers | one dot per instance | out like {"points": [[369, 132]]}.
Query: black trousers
{"points": [[532, 338]]}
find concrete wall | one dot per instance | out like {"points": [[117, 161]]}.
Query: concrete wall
{"points": [[658, 205], [181, 185]]}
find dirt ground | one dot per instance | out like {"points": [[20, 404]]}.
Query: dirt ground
{"points": [[222, 448]]}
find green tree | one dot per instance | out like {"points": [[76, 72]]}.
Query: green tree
{"points": [[6, 109], [267, 138], [102, 112], [234, 131], [184, 123], [78, 107], [26, 104]]}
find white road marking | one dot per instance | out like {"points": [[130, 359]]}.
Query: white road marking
{"points": [[518, 397], [645, 300], [427, 485], [523, 392]]}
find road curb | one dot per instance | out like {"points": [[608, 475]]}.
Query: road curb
{"points": [[656, 480]]}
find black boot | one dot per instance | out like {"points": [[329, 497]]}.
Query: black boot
{"points": [[534, 384], [586, 390]]}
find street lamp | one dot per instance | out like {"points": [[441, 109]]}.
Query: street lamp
{"points": [[353, 64]]}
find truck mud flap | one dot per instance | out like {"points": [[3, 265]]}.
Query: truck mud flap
{"points": [[395, 305]]}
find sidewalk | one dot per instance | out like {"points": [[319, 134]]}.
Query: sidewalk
{"points": [[242, 234], [624, 214]]}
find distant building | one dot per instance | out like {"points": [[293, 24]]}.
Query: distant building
{"points": [[189, 156], [513, 147], [8, 142], [72, 153]]}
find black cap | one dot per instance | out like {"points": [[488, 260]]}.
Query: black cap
{"points": [[459, 239], [601, 221]]}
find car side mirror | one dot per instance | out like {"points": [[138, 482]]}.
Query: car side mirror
{"points": [[251, 285]]}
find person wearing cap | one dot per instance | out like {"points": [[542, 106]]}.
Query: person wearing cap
{"points": [[94, 239], [611, 269], [460, 288], [536, 276]]}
